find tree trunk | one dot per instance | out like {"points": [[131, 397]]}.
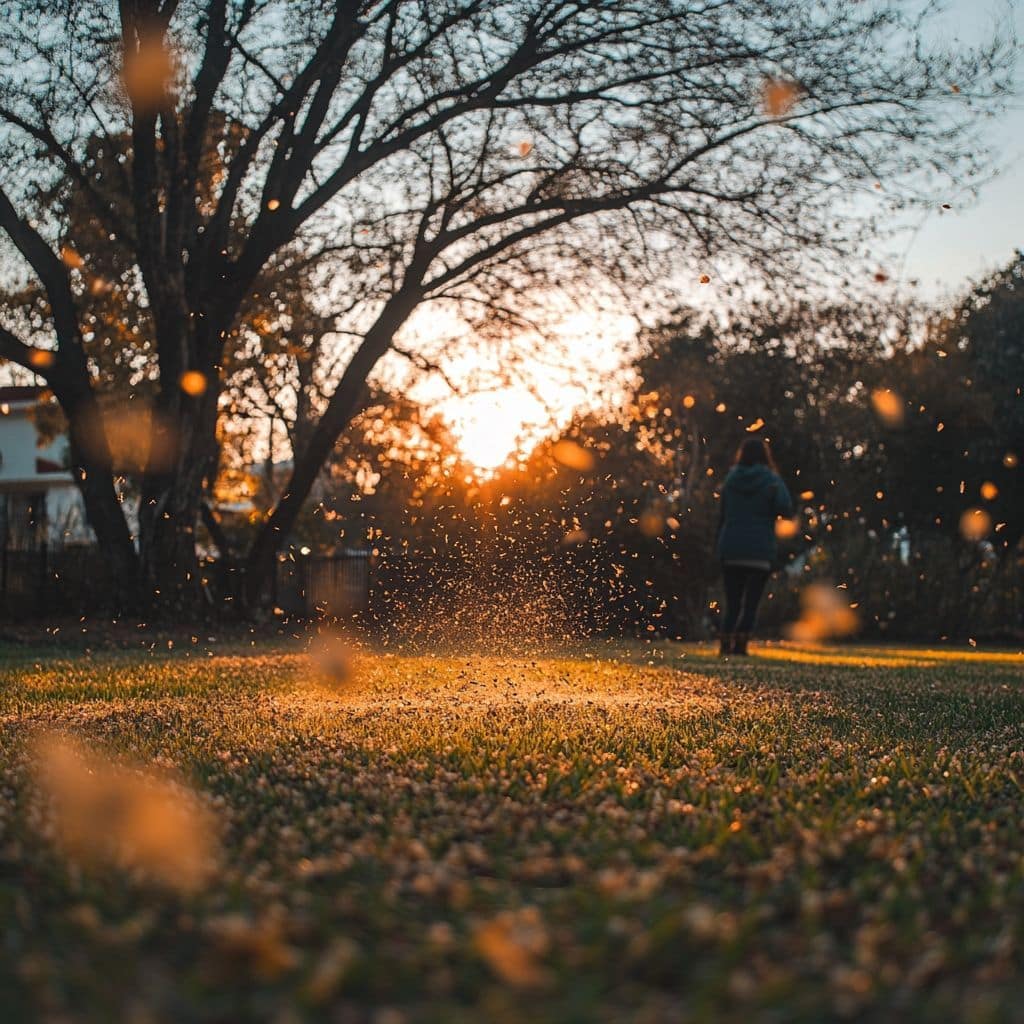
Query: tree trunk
{"points": [[260, 562], [167, 550], [343, 406], [183, 463], [90, 461]]}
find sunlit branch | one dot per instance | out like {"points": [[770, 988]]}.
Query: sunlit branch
{"points": [[421, 362], [16, 351]]}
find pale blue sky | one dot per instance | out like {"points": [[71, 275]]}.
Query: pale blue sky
{"points": [[952, 247]]}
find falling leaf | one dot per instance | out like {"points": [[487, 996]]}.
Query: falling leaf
{"points": [[757, 425], [779, 96], [689, 402], [331, 656], [576, 537], [889, 406], [147, 72], [110, 814], [786, 529], [193, 383], [135, 438], [273, 204], [524, 148], [572, 456], [989, 491], [881, 277], [512, 944], [70, 258], [330, 970], [705, 278], [1010, 460], [807, 495], [41, 359], [721, 407], [651, 524], [975, 524], [824, 613]]}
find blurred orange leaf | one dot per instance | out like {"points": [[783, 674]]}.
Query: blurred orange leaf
{"points": [[193, 383], [975, 524], [106, 813], [147, 72], [889, 406], [779, 96], [512, 943], [572, 456]]}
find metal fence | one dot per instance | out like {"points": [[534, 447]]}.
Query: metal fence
{"points": [[45, 581], [50, 581], [336, 585]]}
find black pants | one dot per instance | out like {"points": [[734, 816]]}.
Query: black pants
{"points": [[743, 589]]}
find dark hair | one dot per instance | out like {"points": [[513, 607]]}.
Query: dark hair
{"points": [[754, 451]]}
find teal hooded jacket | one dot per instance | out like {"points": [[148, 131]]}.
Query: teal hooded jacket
{"points": [[752, 498]]}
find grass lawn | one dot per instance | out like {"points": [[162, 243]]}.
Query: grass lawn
{"points": [[614, 834]]}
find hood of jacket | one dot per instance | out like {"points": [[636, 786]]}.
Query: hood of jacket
{"points": [[750, 479]]}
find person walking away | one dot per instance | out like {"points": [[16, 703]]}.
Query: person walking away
{"points": [[753, 497]]}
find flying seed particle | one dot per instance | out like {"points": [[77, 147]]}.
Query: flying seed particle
{"points": [[193, 383]]}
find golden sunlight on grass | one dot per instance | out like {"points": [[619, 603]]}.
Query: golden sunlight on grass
{"points": [[862, 656], [601, 833]]}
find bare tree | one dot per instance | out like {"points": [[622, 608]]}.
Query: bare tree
{"points": [[461, 153]]}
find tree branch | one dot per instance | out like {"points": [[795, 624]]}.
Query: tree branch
{"points": [[47, 267], [13, 349], [44, 135], [427, 365]]}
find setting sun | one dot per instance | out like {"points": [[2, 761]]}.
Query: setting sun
{"points": [[528, 403], [489, 427]]}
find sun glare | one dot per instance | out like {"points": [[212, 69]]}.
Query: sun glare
{"points": [[491, 426]]}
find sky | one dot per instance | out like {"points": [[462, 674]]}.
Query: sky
{"points": [[938, 255], [950, 248]]}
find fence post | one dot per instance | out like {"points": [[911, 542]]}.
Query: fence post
{"points": [[41, 592]]}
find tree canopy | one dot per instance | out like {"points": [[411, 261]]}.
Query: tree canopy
{"points": [[471, 155]]}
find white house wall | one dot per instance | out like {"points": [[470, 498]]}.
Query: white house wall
{"points": [[19, 452]]}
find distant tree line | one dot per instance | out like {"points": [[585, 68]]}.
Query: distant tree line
{"points": [[899, 435]]}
